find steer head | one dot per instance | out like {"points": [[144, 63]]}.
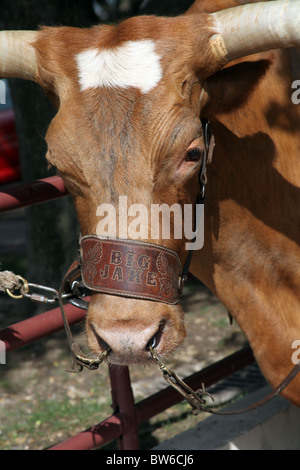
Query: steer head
{"points": [[130, 100]]}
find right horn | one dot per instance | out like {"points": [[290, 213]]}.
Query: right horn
{"points": [[17, 55], [257, 27]]}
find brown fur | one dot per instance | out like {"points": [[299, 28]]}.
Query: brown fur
{"points": [[251, 253], [107, 143]]}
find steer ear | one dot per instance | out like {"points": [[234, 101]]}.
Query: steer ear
{"points": [[231, 87]]}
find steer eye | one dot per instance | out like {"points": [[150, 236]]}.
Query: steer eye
{"points": [[194, 154]]}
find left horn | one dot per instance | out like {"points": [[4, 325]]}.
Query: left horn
{"points": [[248, 29], [17, 55]]}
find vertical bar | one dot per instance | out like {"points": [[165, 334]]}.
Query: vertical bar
{"points": [[123, 404]]}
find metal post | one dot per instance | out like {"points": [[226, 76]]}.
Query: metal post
{"points": [[123, 404]]}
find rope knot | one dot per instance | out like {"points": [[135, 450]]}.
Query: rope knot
{"points": [[10, 281]]}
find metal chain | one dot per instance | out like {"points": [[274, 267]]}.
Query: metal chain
{"points": [[82, 361], [48, 295], [194, 398]]}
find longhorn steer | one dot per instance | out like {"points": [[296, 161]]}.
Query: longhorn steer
{"points": [[130, 102]]}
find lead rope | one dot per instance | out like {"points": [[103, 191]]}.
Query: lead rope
{"points": [[10, 282]]}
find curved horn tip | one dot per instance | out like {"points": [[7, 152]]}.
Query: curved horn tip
{"points": [[218, 48], [257, 27], [17, 54]]}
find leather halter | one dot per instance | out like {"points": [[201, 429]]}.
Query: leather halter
{"points": [[131, 268]]}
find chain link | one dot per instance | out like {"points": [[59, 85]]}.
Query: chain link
{"points": [[194, 398], [83, 361], [42, 294]]}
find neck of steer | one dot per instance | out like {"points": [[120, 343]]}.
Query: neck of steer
{"points": [[251, 255]]}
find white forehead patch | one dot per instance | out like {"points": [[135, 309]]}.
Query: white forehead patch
{"points": [[133, 64]]}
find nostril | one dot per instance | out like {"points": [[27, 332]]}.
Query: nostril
{"points": [[127, 343], [154, 341], [101, 343]]}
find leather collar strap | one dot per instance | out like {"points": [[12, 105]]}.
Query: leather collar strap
{"points": [[131, 268]]}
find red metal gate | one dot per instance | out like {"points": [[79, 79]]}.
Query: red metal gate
{"points": [[124, 423]]}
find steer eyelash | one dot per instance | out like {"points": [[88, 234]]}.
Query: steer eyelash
{"points": [[194, 154]]}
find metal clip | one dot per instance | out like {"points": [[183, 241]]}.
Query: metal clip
{"points": [[39, 297], [83, 361]]}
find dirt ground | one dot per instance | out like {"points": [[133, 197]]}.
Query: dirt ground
{"points": [[41, 403]]}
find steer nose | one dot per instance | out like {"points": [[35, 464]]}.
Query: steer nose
{"points": [[128, 343], [129, 326]]}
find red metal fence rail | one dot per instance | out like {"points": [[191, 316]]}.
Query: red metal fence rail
{"points": [[28, 194], [124, 423]]}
